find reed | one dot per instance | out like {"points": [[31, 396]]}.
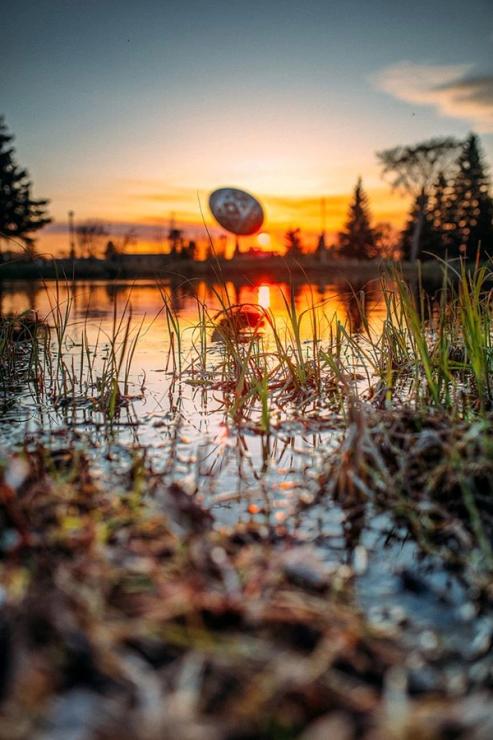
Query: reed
{"points": [[428, 354]]}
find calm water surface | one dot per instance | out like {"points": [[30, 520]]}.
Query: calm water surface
{"points": [[189, 436], [226, 462]]}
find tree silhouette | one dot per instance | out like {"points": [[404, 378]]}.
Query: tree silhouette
{"points": [[189, 252], [89, 235], [321, 248], [358, 240], [434, 235], [415, 170], [20, 214], [439, 217], [471, 208], [387, 240], [111, 251], [292, 240]]}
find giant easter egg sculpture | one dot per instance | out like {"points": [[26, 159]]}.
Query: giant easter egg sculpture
{"points": [[236, 211]]}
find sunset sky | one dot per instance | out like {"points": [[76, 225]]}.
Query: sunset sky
{"points": [[128, 111]]}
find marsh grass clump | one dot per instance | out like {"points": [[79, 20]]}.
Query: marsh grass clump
{"points": [[21, 339], [84, 374], [261, 365], [237, 322], [433, 351], [450, 343], [434, 475], [67, 367]]}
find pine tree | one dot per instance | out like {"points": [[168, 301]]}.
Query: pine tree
{"points": [[433, 237], [471, 208], [294, 246], [414, 171], [20, 214], [359, 239]]}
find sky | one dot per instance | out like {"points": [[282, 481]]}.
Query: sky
{"points": [[132, 111]]}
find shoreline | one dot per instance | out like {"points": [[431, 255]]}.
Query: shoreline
{"points": [[278, 269]]}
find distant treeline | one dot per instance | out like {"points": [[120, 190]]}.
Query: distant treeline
{"points": [[452, 209], [447, 179]]}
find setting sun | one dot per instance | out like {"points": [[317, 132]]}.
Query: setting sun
{"points": [[263, 239]]}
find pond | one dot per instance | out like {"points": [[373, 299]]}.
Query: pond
{"points": [[233, 457], [245, 456]]}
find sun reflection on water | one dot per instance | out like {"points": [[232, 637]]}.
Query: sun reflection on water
{"points": [[264, 296]]}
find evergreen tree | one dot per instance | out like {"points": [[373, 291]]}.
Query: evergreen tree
{"points": [[321, 248], [433, 237], [192, 250], [471, 207], [294, 247], [111, 251], [388, 240], [20, 214], [428, 235], [359, 239], [414, 170]]}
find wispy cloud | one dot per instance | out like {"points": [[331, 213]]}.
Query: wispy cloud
{"points": [[453, 90]]}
